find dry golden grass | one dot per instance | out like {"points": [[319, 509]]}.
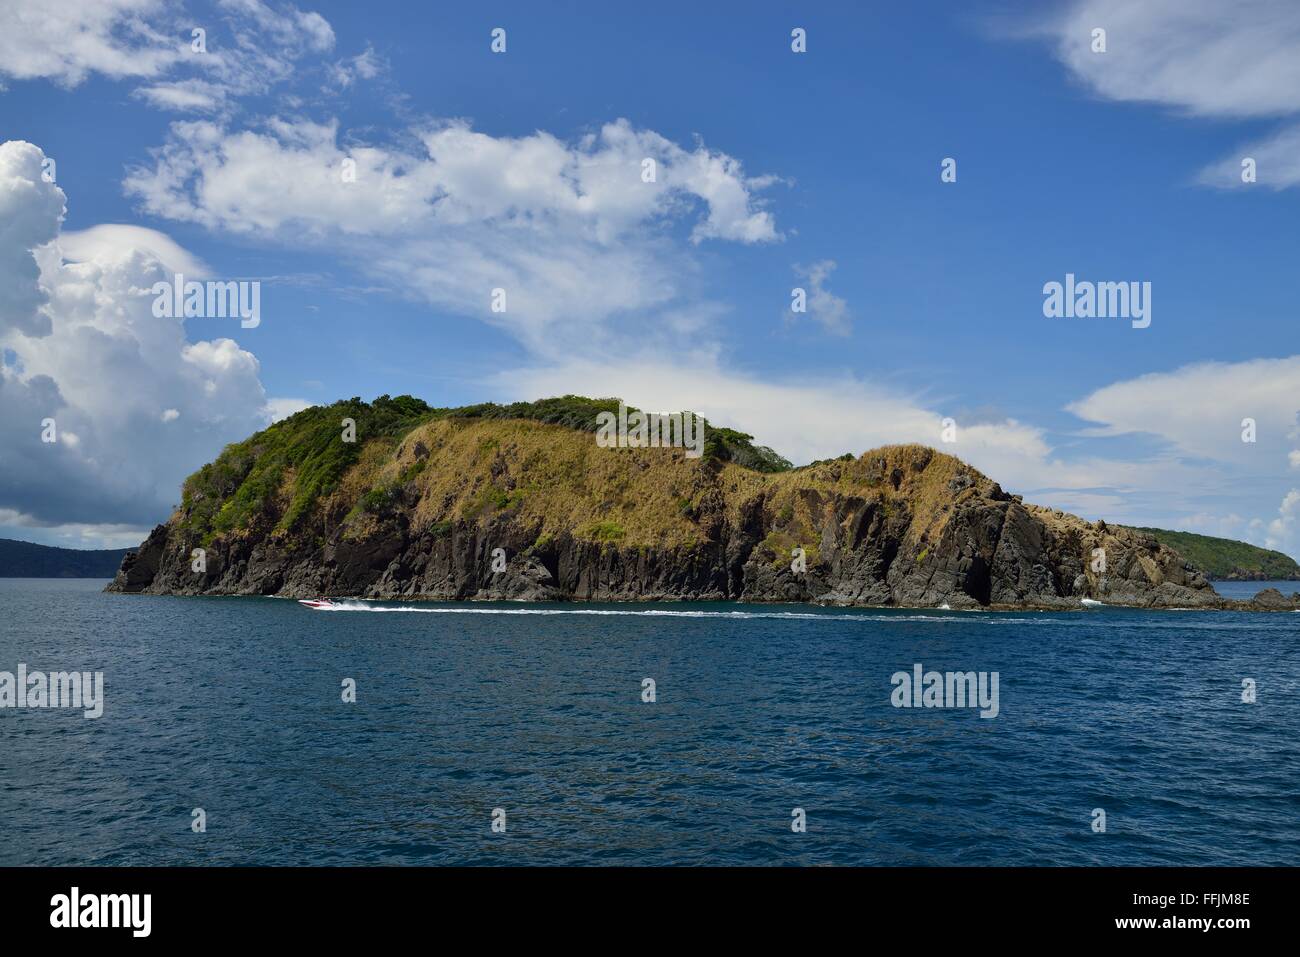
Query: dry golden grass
{"points": [[558, 480]]}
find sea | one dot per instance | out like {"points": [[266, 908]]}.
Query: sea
{"points": [[258, 731]]}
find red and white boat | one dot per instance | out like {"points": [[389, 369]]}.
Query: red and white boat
{"points": [[317, 603]]}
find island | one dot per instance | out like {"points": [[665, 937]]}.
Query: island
{"points": [[29, 560], [396, 499]]}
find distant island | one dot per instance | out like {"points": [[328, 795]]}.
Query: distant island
{"points": [[28, 560], [1223, 559], [398, 499]]}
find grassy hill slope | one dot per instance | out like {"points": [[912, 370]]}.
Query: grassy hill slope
{"points": [[298, 464]]}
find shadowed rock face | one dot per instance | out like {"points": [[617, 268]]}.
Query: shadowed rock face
{"points": [[901, 526]]}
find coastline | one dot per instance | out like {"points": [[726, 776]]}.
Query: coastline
{"points": [[1282, 603]]}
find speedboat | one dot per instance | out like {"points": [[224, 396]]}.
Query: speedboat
{"points": [[317, 603]]}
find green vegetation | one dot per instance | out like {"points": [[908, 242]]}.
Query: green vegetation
{"points": [[728, 445], [306, 448], [412, 470], [491, 498], [846, 457], [604, 531], [378, 501], [1223, 558], [578, 412]]}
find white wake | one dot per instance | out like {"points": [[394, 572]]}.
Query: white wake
{"points": [[664, 613]]}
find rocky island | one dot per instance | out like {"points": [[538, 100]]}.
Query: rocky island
{"points": [[395, 499]]}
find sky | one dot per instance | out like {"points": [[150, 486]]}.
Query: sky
{"points": [[379, 169]]}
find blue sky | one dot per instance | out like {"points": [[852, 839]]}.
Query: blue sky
{"points": [[520, 170]]}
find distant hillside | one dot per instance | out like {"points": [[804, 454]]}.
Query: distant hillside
{"points": [[27, 560], [1225, 559]]}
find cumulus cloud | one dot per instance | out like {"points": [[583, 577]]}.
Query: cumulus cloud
{"points": [[134, 405], [105, 240], [30, 212], [577, 233]]}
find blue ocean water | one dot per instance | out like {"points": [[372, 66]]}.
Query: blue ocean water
{"points": [[234, 705], [1251, 589]]}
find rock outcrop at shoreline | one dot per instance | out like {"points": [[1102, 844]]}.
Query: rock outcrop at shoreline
{"points": [[491, 503]]}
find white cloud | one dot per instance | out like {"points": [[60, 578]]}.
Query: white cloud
{"points": [[1284, 531], [249, 46], [30, 212], [69, 40], [184, 96], [283, 407], [570, 230], [286, 26], [1277, 162], [291, 172], [1220, 525], [826, 308], [136, 406], [1198, 409], [14, 524], [105, 240], [366, 65], [1200, 56]]}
